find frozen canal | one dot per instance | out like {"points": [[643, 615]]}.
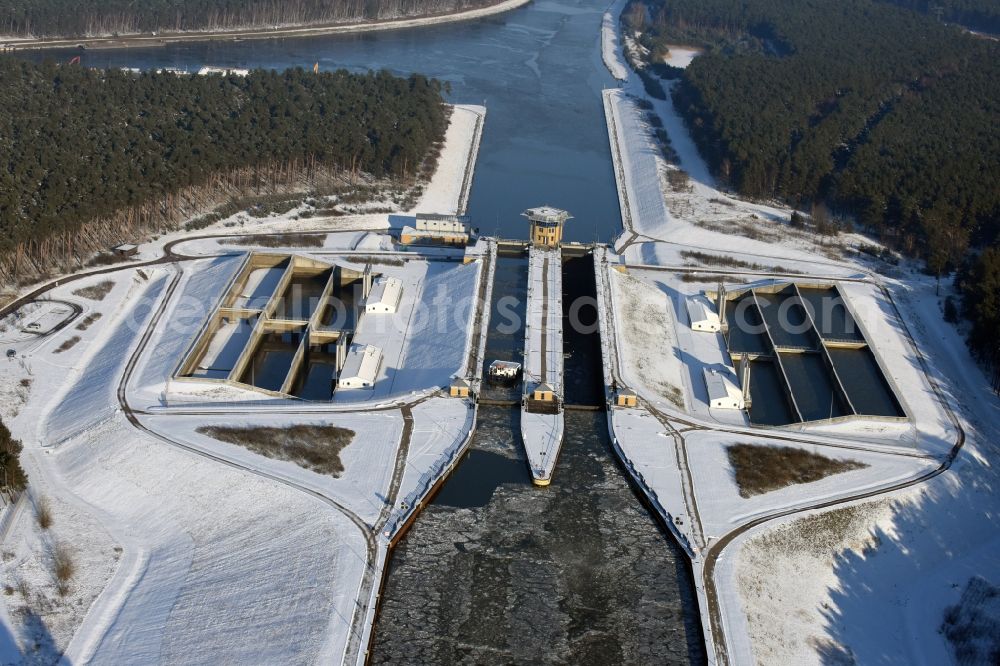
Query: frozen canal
{"points": [[499, 571]]}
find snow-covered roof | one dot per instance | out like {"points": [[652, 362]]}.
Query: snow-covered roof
{"points": [[435, 232], [545, 388], [442, 217], [721, 387], [543, 344], [361, 365], [386, 291], [209, 69], [547, 214], [460, 383], [452, 223], [702, 313]]}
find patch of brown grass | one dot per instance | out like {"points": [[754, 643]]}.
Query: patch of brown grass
{"points": [[707, 259], [88, 321], [96, 292], [63, 568], [278, 240], [43, 513], [761, 469], [67, 344], [313, 447], [712, 277]]}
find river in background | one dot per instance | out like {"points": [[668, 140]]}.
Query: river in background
{"points": [[538, 69]]}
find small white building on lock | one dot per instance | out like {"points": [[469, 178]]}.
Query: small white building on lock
{"points": [[385, 296], [702, 315], [361, 367], [723, 393]]}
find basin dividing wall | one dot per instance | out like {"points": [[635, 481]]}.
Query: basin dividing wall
{"points": [[277, 326]]}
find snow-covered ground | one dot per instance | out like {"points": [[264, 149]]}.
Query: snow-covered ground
{"points": [[722, 508], [611, 50], [782, 583], [448, 191], [681, 56], [645, 320]]}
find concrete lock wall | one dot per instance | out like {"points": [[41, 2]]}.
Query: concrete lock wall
{"points": [[267, 321]]}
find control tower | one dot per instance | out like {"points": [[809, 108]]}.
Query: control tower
{"points": [[546, 225]]}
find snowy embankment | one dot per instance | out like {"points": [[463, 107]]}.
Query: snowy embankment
{"points": [[668, 207], [442, 429], [611, 50], [90, 399], [644, 320], [637, 167], [448, 190], [268, 32], [778, 600]]}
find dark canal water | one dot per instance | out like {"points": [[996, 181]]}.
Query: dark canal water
{"points": [[497, 571], [538, 70]]}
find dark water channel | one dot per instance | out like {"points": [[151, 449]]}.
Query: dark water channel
{"points": [[497, 571]]}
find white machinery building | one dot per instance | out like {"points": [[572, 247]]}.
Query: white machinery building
{"points": [[703, 317], [361, 367], [432, 229], [722, 390], [384, 296]]}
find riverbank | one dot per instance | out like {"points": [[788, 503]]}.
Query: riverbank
{"points": [[162, 39]]}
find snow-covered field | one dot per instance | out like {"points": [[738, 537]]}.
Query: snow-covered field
{"points": [[681, 56], [644, 321], [787, 583]]}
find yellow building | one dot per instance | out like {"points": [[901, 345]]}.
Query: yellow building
{"points": [[459, 388], [543, 393], [546, 225], [625, 398]]}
